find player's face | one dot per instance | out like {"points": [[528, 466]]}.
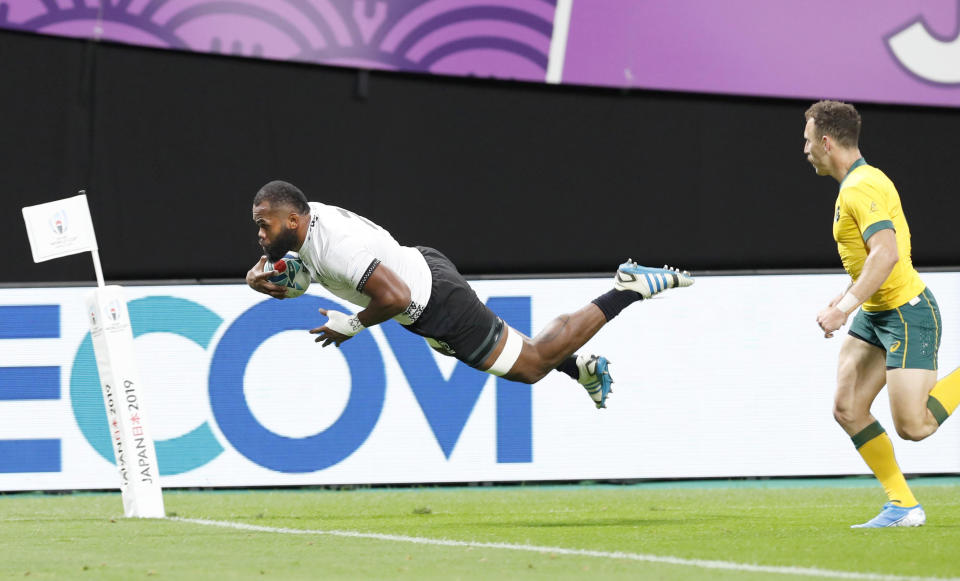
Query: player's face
{"points": [[813, 149], [275, 234]]}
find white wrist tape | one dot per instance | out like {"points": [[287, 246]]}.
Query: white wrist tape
{"points": [[848, 303], [343, 323]]}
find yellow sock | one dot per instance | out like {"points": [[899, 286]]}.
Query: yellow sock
{"points": [[945, 396], [875, 447]]}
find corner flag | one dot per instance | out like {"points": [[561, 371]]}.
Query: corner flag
{"points": [[60, 228], [64, 227]]}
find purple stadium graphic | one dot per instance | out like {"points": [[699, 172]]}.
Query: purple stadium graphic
{"points": [[492, 38], [879, 50]]}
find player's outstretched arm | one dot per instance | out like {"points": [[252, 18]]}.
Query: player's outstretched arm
{"points": [[257, 280], [389, 296]]}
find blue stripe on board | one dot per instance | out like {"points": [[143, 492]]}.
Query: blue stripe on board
{"points": [[30, 322], [18, 383], [19, 456]]}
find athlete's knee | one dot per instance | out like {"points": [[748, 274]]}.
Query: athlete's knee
{"points": [[913, 431], [847, 416], [535, 361], [545, 362], [525, 373], [519, 360]]}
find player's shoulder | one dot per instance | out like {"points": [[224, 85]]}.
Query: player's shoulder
{"points": [[867, 177], [319, 209], [325, 217], [867, 181]]}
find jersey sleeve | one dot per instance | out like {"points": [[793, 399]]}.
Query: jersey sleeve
{"points": [[351, 262], [869, 212]]}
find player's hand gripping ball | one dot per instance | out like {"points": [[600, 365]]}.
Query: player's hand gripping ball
{"points": [[290, 273]]}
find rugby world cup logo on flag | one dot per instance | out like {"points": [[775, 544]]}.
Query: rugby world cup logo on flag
{"points": [[58, 222], [93, 318], [113, 310]]}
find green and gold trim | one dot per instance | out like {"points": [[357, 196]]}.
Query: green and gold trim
{"points": [[876, 227], [936, 327], [939, 412], [855, 165], [906, 337], [867, 434]]}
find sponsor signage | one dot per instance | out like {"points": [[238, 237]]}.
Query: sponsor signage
{"points": [[728, 378]]}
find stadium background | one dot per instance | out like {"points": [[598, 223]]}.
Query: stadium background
{"points": [[510, 178], [506, 177]]}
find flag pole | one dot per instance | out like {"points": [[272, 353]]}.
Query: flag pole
{"points": [[95, 254], [97, 267]]}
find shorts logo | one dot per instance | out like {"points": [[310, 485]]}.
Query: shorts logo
{"points": [[894, 347], [441, 346]]}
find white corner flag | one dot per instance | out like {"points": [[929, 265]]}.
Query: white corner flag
{"points": [[62, 228]]}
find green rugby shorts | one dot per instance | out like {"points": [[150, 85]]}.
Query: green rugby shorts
{"points": [[910, 333]]}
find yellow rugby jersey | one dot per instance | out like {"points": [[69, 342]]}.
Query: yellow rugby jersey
{"points": [[868, 202]]}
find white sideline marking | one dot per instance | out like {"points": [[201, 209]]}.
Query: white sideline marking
{"points": [[703, 564]]}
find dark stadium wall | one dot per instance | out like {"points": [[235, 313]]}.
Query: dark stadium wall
{"points": [[505, 178]]}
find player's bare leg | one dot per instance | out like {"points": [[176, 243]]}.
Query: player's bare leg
{"points": [[861, 375], [909, 390], [555, 347], [556, 342]]}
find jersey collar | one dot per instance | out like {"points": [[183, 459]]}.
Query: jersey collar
{"points": [[855, 165]]}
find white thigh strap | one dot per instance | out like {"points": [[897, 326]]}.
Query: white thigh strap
{"points": [[510, 353]]}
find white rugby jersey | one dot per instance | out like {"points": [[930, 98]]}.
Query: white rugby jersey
{"points": [[342, 250]]}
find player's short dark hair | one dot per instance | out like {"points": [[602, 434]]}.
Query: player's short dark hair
{"points": [[838, 120], [278, 192]]}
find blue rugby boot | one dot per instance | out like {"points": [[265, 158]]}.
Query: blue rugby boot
{"points": [[595, 378], [895, 516], [649, 281]]}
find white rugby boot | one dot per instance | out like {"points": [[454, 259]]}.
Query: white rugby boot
{"points": [[595, 378], [649, 281]]}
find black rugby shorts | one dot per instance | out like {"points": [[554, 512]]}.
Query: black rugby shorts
{"points": [[459, 324]]}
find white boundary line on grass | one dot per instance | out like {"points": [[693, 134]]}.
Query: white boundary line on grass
{"points": [[701, 563]]}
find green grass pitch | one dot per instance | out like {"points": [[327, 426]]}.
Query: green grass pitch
{"points": [[789, 529]]}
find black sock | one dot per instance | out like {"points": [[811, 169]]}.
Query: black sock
{"points": [[570, 367], [615, 301]]}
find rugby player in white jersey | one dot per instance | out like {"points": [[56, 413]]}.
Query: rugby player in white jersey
{"points": [[422, 290]]}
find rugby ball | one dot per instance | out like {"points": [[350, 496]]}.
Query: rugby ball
{"points": [[290, 273]]}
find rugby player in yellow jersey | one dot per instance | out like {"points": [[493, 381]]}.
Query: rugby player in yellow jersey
{"points": [[895, 336]]}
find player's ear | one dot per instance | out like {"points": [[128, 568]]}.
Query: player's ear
{"points": [[293, 220]]}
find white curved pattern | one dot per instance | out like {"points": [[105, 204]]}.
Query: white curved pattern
{"points": [[926, 56]]}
